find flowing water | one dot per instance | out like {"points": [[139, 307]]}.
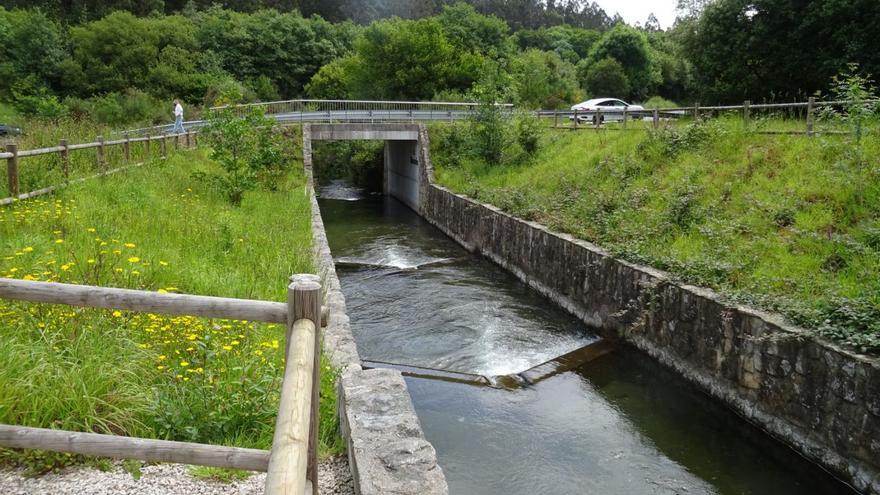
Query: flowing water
{"points": [[616, 423]]}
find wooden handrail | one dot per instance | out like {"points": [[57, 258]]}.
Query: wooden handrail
{"points": [[141, 300]]}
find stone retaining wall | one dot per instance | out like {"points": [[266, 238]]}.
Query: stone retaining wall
{"points": [[387, 450], [821, 399]]}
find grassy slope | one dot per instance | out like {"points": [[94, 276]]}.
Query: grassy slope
{"points": [[153, 228], [783, 222]]}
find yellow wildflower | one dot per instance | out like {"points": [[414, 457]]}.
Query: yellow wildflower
{"points": [[133, 259]]}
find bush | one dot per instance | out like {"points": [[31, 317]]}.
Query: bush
{"points": [[528, 132], [249, 151], [606, 78]]}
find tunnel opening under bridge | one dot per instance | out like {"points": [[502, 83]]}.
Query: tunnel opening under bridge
{"points": [[400, 171]]}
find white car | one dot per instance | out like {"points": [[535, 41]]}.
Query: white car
{"points": [[606, 110]]}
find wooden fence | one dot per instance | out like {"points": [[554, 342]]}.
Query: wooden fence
{"points": [[13, 157], [596, 119], [291, 465]]}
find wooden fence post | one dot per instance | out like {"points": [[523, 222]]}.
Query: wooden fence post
{"points": [[598, 118], [188, 142], [811, 102], [177, 142], [163, 145], [696, 111], [100, 152], [126, 146], [624, 117], [65, 158], [655, 118], [575, 119], [312, 471], [288, 467], [746, 116], [12, 169]]}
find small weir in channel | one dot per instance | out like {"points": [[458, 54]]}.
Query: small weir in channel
{"points": [[518, 396]]}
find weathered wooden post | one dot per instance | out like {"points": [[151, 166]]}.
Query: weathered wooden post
{"points": [[126, 146], [65, 158], [746, 110], [575, 119], [312, 471], [188, 141], [624, 117], [811, 102], [177, 142], [597, 118], [163, 146], [656, 119], [100, 153], [696, 111], [290, 457], [12, 169]]}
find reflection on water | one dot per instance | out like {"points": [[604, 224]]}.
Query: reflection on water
{"points": [[617, 425]]}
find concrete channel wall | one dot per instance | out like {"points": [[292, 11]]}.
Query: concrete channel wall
{"points": [[387, 450], [822, 400]]}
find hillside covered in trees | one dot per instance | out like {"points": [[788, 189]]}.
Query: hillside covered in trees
{"points": [[116, 60]]}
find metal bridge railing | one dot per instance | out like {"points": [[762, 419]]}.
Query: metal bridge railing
{"points": [[360, 110]]}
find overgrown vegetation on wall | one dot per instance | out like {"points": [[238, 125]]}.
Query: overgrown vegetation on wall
{"points": [[786, 223]]}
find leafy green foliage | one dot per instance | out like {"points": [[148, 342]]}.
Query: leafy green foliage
{"points": [[775, 49], [605, 78], [248, 149], [785, 223], [630, 48], [543, 80], [860, 96]]}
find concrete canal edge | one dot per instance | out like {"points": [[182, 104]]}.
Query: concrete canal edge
{"points": [[818, 398], [387, 450]]}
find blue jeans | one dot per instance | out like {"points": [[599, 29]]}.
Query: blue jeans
{"points": [[178, 125]]}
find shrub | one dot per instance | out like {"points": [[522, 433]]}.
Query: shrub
{"points": [[606, 78], [249, 151], [528, 132]]}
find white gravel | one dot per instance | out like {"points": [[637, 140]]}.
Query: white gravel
{"points": [[334, 478]]}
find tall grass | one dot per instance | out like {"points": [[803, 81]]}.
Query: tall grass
{"points": [[152, 228], [788, 223]]}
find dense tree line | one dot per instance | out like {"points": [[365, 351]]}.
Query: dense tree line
{"points": [[517, 13], [117, 57], [782, 49]]}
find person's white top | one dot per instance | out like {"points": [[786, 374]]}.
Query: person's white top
{"points": [[178, 110]]}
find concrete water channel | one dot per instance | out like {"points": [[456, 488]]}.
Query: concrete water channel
{"points": [[596, 422]]}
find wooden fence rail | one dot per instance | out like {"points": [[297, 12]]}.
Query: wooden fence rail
{"points": [[698, 111], [141, 300], [13, 155], [96, 444], [291, 464]]}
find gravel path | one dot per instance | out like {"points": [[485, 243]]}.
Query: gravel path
{"points": [[334, 478]]}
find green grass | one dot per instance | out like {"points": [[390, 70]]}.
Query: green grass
{"points": [[787, 223], [182, 378]]}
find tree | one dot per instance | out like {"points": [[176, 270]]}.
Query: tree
{"points": [[31, 50], [287, 48], [606, 77], [468, 30], [543, 80], [630, 48], [401, 59], [763, 49], [333, 81]]}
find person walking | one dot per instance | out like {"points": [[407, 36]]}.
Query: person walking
{"points": [[178, 118]]}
